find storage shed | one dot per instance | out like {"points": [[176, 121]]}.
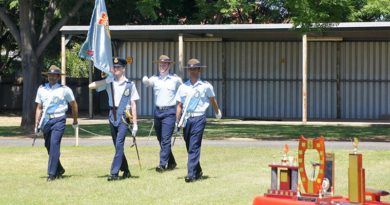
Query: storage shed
{"points": [[259, 70]]}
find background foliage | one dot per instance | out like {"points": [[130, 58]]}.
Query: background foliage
{"points": [[300, 12]]}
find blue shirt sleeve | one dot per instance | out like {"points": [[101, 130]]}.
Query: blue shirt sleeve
{"points": [[38, 98], [178, 94], [68, 95], [178, 82], [101, 88], [210, 91], [134, 93]]}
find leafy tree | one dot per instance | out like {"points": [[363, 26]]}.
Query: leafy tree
{"points": [[75, 66], [8, 48], [37, 24], [319, 14], [374, 10], [148, 8], [308, 14]]}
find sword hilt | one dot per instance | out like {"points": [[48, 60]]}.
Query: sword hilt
{"points": [[128, 116]]}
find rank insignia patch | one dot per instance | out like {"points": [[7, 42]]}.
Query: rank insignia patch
{"points": [[127, 92]]}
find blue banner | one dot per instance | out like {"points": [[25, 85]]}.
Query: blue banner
{"points": [[97, 46]]}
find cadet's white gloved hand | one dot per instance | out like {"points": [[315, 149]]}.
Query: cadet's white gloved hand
{"points": [[75, 126], [128, 107], [176, 129], [218, 115], [37, 132], [145, 80], [135, 129], [109, 79]]}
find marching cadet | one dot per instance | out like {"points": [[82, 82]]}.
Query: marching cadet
{"points": [[52, 102], [125, 94], [165, 86], [194, 97]]}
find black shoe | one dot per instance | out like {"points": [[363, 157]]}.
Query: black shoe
{"points": [[161, 169], [60, 173], [172, 166], [199, 175], [192, 179], [113, 178], [126, 174], [188, 179], [50, 178]]}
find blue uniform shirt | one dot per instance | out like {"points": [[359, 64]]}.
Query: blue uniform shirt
{"points": [[201, 92], [54, 100], [165, 89], [119, 89]]}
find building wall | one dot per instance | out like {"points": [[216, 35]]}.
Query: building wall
{"points": [[263, 79], [347, 80], [365, 80], [323, 67]]}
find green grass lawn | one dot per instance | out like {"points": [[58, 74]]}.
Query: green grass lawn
{"points": [[234, 175], [215, 130]]}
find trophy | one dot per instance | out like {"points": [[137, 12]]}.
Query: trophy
{"points": [[355, 145], [325, 186], [285, 160]]}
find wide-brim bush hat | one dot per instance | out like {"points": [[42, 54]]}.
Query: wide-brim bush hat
{"points": [[53, 69], [164, 59], [194, 63]]}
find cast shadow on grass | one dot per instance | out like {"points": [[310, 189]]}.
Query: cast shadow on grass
{"points": [[292, 132], [106, 176], [204, 177], [170, 170], [378, 133], [62, 177]]}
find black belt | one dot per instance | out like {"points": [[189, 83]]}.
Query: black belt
{"points": [[164, 107], [116, 108]]}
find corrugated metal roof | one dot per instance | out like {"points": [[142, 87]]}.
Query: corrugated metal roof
{"points": [[234, 32], [224, 27]]}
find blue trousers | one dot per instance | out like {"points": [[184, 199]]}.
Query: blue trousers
{"points": [[53, 132], [118, 135], [164, 124], [193, 134]]}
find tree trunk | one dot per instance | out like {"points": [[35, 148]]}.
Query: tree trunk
{"points": [[29, 64], [31, 77], [32, 49]]}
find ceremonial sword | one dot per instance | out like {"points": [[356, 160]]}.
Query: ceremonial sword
{"points": [[39, 128], [128, 115]]}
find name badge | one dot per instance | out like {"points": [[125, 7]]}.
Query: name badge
{"points": [[127, 92]]}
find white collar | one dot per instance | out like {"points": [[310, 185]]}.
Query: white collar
{"points": [[199, 81], [47, 85], [121, 82]]}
